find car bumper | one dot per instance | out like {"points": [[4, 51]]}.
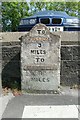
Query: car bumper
{"points": [[71, 28], [62, 28]]}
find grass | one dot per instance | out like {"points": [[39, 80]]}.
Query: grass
{"points": [[15, 91]]}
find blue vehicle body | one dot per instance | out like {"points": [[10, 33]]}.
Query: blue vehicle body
{"points": [[54, 20]]}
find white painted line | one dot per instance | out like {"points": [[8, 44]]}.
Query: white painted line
{"points": [[63, 111]]}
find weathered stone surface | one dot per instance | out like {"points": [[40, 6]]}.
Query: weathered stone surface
{"points": [[40, 59], [70, 65], [11, 75], [76, 53], [11, 52], [66, 36], [68, 51]]}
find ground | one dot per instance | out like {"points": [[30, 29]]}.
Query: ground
{"points": [[14, 105]]}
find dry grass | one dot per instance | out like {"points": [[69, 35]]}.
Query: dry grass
{"points": [[75, 87], [15, 92]]}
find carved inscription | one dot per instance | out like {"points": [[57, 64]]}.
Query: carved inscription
{"points": [[38, 79], [38, 51], [40, 31], [35, 52], [40, 38]]}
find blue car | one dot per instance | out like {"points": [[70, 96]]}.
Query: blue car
{"points": [[54, 20]]}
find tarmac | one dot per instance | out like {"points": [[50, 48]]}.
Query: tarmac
{"points": [[13, 107]]}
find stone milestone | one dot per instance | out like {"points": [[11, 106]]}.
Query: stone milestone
{"points": [[40, 59]]}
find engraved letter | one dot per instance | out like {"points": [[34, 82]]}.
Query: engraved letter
{"points": [[42, 59], [39, 31], [39, 44], [43, 31], [37, 59]]}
